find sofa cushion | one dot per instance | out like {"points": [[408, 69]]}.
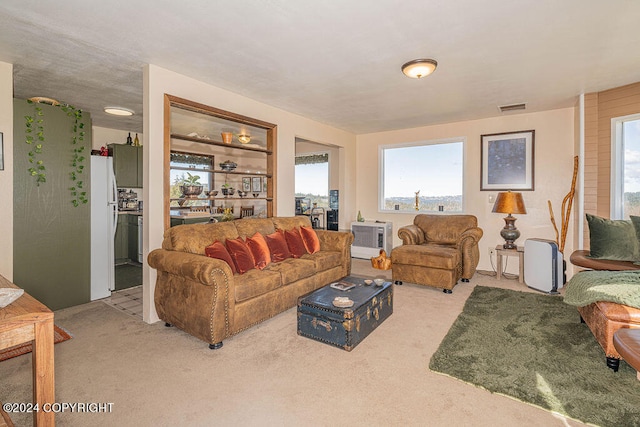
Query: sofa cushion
{"points": [[324, 260], [432, 256], [193, 238], [278, 246], [255, 283], [612, 239], [219, 251], [293, 269], [241, 255], [295, 242], [619, 313], [310, 239], [260, 250]]}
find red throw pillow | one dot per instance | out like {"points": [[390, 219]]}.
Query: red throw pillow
{"points": [[260, 250], [310, 239], [241, 255], [278, 246], [294, 242], [217, 250]]}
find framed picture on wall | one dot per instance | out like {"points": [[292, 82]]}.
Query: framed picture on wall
{"points": [[256, 184], [246, 183], [507, 161]]}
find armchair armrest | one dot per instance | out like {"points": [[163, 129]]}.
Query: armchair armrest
{"points": [[470, 254], [470, 237], [411, 235]]}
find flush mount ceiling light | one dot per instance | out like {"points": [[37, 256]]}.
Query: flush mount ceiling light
{"points": [[419, 68], [244, 138], [118, 111], [44, 100]]}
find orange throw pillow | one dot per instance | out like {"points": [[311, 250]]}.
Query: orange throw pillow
{"points": [[278, 246], [294, 242], [260, 250], [310, 239], [217, 250], [241, 255]]}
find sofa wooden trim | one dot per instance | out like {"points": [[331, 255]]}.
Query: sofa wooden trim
{"points": [[580, 258]]}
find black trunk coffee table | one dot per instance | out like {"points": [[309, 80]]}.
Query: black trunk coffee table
{"points": [[344, 327]]}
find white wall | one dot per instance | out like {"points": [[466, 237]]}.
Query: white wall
{"points": [[103, 136], [6, 175], [158, 82], [554, 151]]}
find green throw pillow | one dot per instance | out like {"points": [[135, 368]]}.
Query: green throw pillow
{"points": [[613, 239]]}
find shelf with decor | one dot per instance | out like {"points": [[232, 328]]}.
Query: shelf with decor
{"points": [[221, 171], [242, 157], [220, 143]]}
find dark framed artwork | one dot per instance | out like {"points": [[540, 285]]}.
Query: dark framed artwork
{"points": [[507, 161], [1, 152]]}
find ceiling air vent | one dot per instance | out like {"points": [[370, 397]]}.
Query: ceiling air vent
{"points": [[512, 107]]}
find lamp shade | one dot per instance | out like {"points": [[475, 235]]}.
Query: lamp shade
{"points": [[509, 203]]}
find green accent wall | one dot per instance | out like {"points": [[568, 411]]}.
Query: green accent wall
{"points": [[52, 248]]}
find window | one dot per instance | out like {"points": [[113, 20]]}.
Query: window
{"points": [[184, 165], [434, 168], [312, 178], [625, 168]]}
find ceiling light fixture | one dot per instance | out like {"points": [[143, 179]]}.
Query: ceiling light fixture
{"points": [[419, 68], [244, 138], [44, 100], [118, 111]]}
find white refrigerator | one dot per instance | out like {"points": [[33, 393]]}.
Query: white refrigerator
{"points": [[104, 219]]}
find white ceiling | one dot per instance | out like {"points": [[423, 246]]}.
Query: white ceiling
{"points": [[335, 61]]}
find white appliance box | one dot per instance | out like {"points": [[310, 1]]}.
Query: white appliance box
{"points": [[370, 237]]}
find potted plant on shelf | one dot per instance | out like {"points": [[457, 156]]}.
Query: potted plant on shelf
{"points": [[191, 187], [228, 190]]}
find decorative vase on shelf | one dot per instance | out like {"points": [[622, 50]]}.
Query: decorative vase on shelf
{"points": [[227, 137], [360, 218]]}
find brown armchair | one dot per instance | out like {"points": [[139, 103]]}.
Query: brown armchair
{"points": [[437, 250]]}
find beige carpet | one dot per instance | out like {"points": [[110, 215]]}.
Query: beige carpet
{"points": [[268, 375]]}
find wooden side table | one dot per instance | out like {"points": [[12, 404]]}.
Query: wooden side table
{"points": [[502, 252], [25, 320]]}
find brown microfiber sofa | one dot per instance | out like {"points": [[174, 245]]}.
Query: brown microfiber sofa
{"points": [[437, 250], [201, 296]]}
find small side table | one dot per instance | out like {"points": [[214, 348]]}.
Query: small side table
{"points": [[502, 252]]}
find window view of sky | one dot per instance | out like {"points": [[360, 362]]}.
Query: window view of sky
{"points": [[435, 170], [313, 179], [631, 133]]}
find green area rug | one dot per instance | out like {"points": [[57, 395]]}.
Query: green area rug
{"points": [[532, 347]]}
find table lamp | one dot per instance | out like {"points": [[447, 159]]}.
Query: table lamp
{"points": [[509, 203]]}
